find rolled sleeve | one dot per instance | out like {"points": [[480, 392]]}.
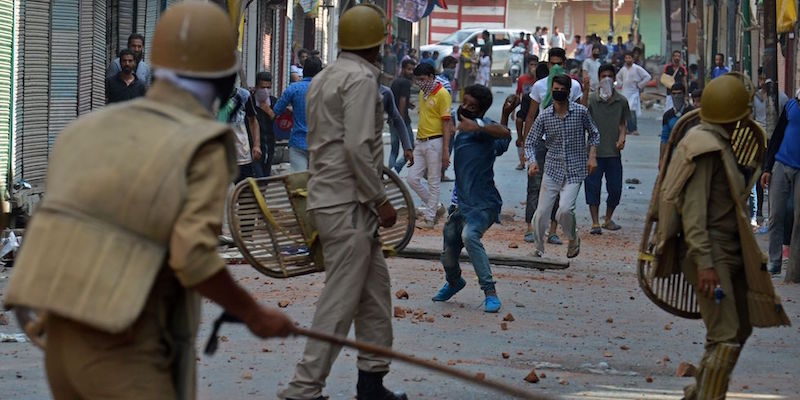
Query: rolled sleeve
{"points": [[193, 245], [531, 142], [588, 125], [360, 100], [694, 211]]}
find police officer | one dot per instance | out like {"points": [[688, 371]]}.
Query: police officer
{"points": [[126, 237], [703, 194], [345, 120]]}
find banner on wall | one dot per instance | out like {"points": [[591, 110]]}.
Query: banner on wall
{"points": [[787, 15], [413, 10]]}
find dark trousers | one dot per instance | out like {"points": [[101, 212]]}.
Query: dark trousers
{"points": [[263, 167], [245, 171], [611, 168]]}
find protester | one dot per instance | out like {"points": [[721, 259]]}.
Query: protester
{"points": [[719, 66], [633, 78], [431, 153], [678, 71], [401, 89], [629, 45], [484, 69], [397, 129], [295, 95], [610, 113], [467, 68], [558, 40], [534, 183], [479, 140], [125, 85], [524, 85], [240, 113], [136, 45], [561, 128], [781, 175], [611, 50], [579, 48], [389, 62], [296, 69], [591, 68], [680, 106], [263, 100], [488, 45], [544, 44], [427, 59], [449, 65]]}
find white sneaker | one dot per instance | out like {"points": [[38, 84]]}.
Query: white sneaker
{"points": [[536, 254], [440, 212]]}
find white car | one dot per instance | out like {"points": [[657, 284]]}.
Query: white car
{"points": [[501, 51]]}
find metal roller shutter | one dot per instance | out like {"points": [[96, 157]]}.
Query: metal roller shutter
{"points": [[63, 68], [125, 25], [32, 114], [6, 88], [99, 55], [153, 11], [93, 59]]}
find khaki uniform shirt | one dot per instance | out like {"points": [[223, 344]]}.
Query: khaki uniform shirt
{"points": [[345, 143]]}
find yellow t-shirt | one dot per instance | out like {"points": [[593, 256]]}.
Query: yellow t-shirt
{"points": [[433, 110]]}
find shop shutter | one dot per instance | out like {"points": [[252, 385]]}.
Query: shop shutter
{"points": [[63, 66], [6, 68], [93, 57], [33, 66], [153, 10], [125, 27]]}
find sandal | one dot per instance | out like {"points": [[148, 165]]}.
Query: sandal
{"points": [[611, 226], [529, 237], [596, 230], [574, 250], [554, 239]]}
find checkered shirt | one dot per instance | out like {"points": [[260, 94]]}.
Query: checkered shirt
{"points": [[566, 142]]}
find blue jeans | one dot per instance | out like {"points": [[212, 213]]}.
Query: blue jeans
{"points": [[298, 159], [611, 167], [459, 234], [395, 162]]}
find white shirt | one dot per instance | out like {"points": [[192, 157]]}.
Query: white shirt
{"points": [[592, 67], [633, 79], [539, 92], [558, 40]]}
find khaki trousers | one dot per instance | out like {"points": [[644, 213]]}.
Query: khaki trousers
{"points": [[727, 323], [357, 289], [83, 363]]}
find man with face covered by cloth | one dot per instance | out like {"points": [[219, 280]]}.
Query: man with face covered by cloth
{"points": [[478, 142], [117, 252], [704, 232]]}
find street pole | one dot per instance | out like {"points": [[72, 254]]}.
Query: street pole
{"points": [[771, 62], [731, 50], [701, 44], [747, 63], [611, 17]]}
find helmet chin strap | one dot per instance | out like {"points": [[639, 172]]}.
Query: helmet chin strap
{"points": [[203, 90]]}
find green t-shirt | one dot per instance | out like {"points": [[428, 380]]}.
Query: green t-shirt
{"points": [[608, 115]]}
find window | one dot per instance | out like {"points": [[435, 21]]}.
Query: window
{"points": [[501, 38]]}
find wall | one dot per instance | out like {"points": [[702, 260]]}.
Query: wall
{"points": [[651, 26], [528, 14]]}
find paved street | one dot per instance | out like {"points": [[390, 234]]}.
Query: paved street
{"points": [[588, 330]]}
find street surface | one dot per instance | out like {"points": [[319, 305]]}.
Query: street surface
{"points": [[588, 331]]}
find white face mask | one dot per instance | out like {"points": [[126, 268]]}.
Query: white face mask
{"points": [[606, 88]]}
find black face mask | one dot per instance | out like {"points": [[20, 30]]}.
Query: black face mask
{"points": [[560, 96], [463, 112]]}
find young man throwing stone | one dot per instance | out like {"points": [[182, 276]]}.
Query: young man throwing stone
{"points": [[478, 142]]}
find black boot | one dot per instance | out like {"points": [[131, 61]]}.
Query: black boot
{"points": [[370, 387]]}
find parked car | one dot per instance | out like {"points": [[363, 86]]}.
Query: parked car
{"points": [[501, 51]]}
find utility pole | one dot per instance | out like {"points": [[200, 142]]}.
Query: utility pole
{"points": [[611, 17], [730, 52], [747, 63], [701, 44], [771, 62]]}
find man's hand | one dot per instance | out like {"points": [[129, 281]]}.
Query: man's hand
{"points": [[387, 214], [620, 144], [512, 101], [533, 169], [256, 153], [467, 125], [765, 177], [267, 322], [446, 159], [591, 165], [586, 83], [707, 282], [520, 142], [409, 156]]}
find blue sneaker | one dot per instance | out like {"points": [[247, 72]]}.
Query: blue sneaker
{"points": [[492, 304], [447, 291]]}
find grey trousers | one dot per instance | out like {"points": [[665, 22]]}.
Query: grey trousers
{"points": [[782, 190], [567, 194], [357, 289]]}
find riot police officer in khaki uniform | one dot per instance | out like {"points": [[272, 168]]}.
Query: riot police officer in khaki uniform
{"points": [[347, 203], [126, 236], [702, 218]]}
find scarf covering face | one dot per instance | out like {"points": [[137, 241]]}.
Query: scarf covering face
{"points": [[606, 88], [427, 86], [554, 70]]}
